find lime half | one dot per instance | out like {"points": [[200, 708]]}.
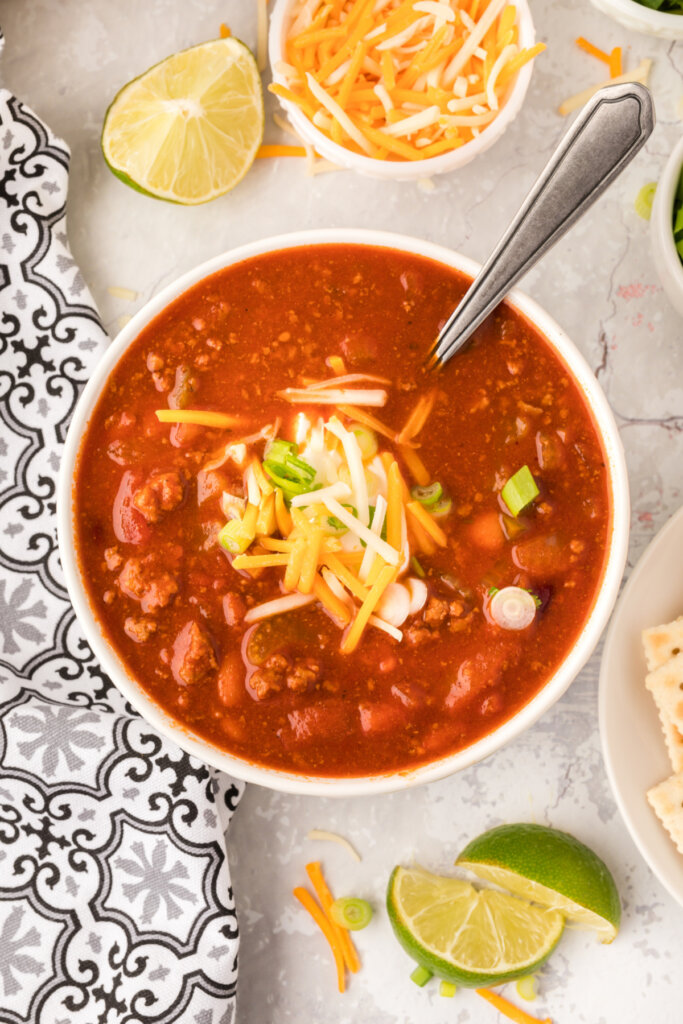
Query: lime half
{"points": [[466, 936], [188, 129], [551, 868]]}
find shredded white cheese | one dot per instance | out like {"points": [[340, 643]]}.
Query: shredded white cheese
{"points": [[401, 38], [253, 489], [506, 54], [440, 10], [319, 497], [376, 527], [477, 33], [279, 605], [388, 553], [351, 396], [332, 837], [386, 627], [337, 112], [354, 459], [261, 34], [122, 293], [414, 123]]}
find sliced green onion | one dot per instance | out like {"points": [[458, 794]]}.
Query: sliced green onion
{"points": [[493, 590], [421, 976], [678, 222], [519, 491], [644, 199], [298, 468], [289, 487], [367, 440], [278, 450], [447, 989], [336, 524], [537, 600], [351, 913], [441, 508], [527, 987], [428, 495], [417, 568]]}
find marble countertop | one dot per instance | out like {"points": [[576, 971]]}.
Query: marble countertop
{"points": [[67, 60]]}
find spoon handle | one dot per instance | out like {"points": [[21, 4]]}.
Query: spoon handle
{"points": [[603, 139]]}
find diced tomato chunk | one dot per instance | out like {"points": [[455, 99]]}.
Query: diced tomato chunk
{"points": [[129, 524], [321, 721], [486, 532], [542, 556], [381, 717]]}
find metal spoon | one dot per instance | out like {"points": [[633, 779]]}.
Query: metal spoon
{"points": [[603, 139]]}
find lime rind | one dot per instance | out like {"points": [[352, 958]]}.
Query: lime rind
{"points": [[140, 112], [484, 922], [551, 868]]}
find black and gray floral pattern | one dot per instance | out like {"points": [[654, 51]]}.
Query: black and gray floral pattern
{"points": [[115, 898]]}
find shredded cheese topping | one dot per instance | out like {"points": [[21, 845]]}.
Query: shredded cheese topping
{"points": [[377, 78]]}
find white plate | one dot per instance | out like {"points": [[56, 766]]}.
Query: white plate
{"points": [[632, 739]]}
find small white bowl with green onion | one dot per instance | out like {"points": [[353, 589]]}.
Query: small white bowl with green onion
{"points": [[666, 226], [661, 18]]}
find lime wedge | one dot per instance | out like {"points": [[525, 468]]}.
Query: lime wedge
{"points": [[468, 936], [551, 868], [187, 130]]}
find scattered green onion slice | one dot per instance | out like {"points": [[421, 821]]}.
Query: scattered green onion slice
{"points": [[447, 989], [278, 450], [493, 590], [421, 976], [643, 203], [520, 490], [289, 487], [441, 508], [417, 568], [513, 608], [428, 495], [352, 913], [527, 987]]}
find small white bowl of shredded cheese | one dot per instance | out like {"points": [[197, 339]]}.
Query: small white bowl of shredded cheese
{"points": [[431, 79]]}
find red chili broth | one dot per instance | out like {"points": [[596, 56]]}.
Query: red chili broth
{"points": [[505, 401]]}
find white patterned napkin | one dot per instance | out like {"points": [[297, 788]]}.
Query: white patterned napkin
{"points": [[115, 898]]}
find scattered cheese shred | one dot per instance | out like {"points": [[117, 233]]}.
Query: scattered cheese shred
{"points": [[278, 606], [264, 152], [334, 396], [422, 516], [350, 641], [200, 417], [122, 293], [332, 837], [261, 34], [639, 74], [378, 545]]}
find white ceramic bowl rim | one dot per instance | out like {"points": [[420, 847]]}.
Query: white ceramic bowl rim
{"points": [[398, 169], [386, 782], [667, 261], [631, 8]]}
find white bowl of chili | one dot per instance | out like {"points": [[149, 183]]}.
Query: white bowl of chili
{"points": [[666, 256], [640, 17], [479, 113], [105, 466]]}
